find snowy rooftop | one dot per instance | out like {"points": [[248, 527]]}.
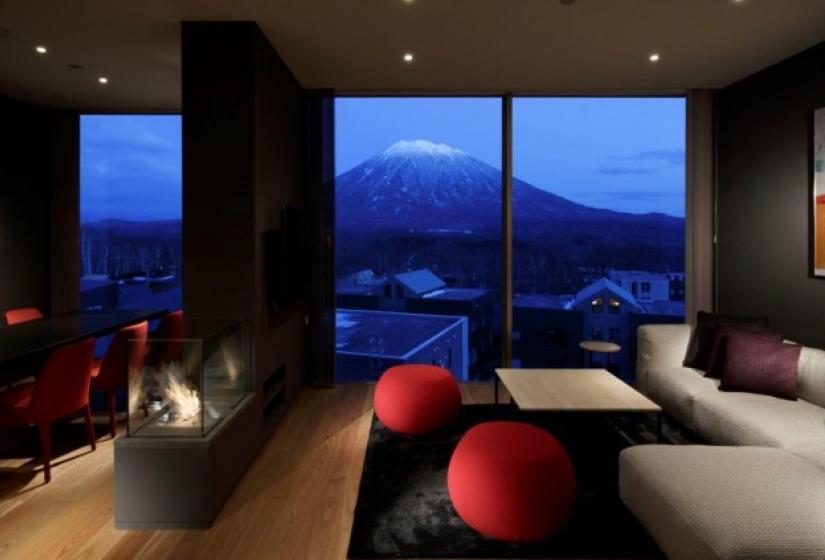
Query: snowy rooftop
{"points": [[387, 334], [603, 284], [420, 281]]}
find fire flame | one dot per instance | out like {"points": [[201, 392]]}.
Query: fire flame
{"points": [[230, 362], [137, 394], [183, 401]]}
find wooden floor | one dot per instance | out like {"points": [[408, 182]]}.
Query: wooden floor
{"points": [[295, 502]]}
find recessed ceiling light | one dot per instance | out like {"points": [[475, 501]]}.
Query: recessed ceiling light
{"points": [[409, 57], [654, 57], [409, 1], [40, 49], [103, 80]]}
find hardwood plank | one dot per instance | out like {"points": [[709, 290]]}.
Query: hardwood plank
{"points": [[296, 501]]}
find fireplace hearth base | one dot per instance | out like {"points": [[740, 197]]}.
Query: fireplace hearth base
{"points": [[168, 483]]}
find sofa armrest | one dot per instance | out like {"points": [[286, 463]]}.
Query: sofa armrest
{"points": [[659, 347]]}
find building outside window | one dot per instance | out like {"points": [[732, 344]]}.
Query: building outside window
{"points": [[598, 215]]}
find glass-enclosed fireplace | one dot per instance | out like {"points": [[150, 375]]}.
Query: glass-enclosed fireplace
{"points": [[184, 388]]}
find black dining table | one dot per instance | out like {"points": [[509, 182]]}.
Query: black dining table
{"points": [[38, 337]]}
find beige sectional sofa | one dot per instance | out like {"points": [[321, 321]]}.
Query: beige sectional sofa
{"points": [[758, 491]]}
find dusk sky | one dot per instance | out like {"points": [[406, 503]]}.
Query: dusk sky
{"points": [[130, 167], [621, 153], [625, 154]]}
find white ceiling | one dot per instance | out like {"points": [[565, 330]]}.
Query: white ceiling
{"points": [[593, 46]]}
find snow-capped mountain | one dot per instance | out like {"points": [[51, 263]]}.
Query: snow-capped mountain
{"points": [[422, 186]]}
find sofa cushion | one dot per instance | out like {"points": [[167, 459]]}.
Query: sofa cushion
{"points": [[675, 389], [660, 347], [810, 384], [813, 452], [725, 502], [751, 419]]}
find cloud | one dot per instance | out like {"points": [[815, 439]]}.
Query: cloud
{"points": [[624, 170], [130, 167], [671, 157], [641, 195]]}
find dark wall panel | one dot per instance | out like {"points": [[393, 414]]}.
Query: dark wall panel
{"points": [[64, 171], [763, 197], [243, 162], [24, 206], [218, 170]]}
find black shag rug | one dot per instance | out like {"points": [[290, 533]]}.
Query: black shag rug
{"points": [[404, 511]]}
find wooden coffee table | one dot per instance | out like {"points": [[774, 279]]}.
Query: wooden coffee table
{"points": [[575, 390]]}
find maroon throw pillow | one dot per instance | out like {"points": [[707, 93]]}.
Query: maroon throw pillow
{"points": [[716, 363], [701, 340], [755, 365]]}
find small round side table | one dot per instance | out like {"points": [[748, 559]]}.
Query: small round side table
{"points": [[591, 347]]}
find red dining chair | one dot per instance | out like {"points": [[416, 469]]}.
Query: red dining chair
{"points": [[22, 315], [61, 388], [169, 335], [112, 372]]}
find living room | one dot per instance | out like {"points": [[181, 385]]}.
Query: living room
{"points": [[412, 279]]}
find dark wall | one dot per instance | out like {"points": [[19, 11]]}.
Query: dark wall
{"points": [[764, 195], [243, 162], [24, 206]]}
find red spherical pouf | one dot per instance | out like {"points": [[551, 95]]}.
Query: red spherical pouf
{"points": [[416, 399], [511, 481]]}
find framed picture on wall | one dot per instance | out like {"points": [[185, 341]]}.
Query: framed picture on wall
{"points": [[818, 195]]}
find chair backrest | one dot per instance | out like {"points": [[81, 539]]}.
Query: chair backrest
{"points": [[171, 328], [22, 315], [62, 387], [114, 370]]}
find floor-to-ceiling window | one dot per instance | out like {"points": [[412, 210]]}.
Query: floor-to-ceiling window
{"points": [[130, 211], [598, 232], [418, 234], [598, 225]]}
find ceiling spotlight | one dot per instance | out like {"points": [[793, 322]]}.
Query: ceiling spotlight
{"points": [[409, 1], [40, 49], [103, 80], [409, 57], [654, 57]]}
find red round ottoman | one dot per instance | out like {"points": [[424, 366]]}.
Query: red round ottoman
{"points": [[511, 481], [416, 399]]}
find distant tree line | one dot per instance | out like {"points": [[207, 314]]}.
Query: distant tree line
{"points": [[125, 251]]}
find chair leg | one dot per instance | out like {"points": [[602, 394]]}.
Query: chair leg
{"points": [[110, 398], [90, 429], [45, 430]]}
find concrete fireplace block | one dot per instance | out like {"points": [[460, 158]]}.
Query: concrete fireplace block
{"points": [[182, 483]]}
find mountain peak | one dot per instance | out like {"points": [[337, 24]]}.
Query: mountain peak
{"points": [[422, 147]]}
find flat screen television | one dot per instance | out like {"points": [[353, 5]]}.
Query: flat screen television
{"points": [[286, 260]]}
